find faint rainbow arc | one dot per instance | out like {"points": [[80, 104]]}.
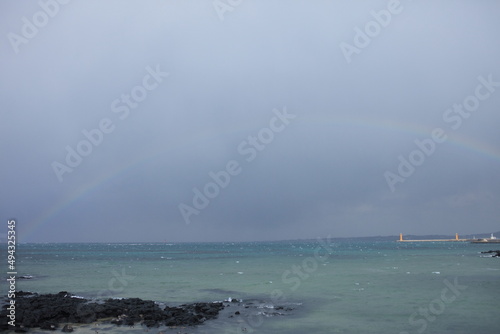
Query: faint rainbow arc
{"points": [[454, 138]]}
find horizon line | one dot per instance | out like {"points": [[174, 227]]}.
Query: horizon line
{"points": [[234, 241]]}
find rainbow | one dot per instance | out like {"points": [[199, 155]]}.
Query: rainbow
{"points": [[454, 138]]}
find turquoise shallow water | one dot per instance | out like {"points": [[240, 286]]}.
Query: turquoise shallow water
{"points": [[333, 287]]}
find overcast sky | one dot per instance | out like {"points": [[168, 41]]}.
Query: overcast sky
{"points": [[116, 116]]}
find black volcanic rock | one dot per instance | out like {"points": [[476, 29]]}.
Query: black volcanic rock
{"points": [[495, 253], [67, 329], [49, 310]]}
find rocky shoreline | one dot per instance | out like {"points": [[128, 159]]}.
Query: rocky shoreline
{"points": [[58, 311]]}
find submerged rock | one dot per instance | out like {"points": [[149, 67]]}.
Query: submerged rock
{"points": [[67, 329], [49, 310], [494, 253]]}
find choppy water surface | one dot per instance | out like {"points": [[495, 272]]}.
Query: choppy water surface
{"points": [[328, 287]]}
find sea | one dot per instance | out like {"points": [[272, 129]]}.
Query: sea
{"points": [[305, 286]]}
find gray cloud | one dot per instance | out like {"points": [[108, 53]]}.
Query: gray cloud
{"points": [[323, 174]]}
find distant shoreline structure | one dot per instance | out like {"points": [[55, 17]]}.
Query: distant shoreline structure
{"points": [[491, 239]]}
